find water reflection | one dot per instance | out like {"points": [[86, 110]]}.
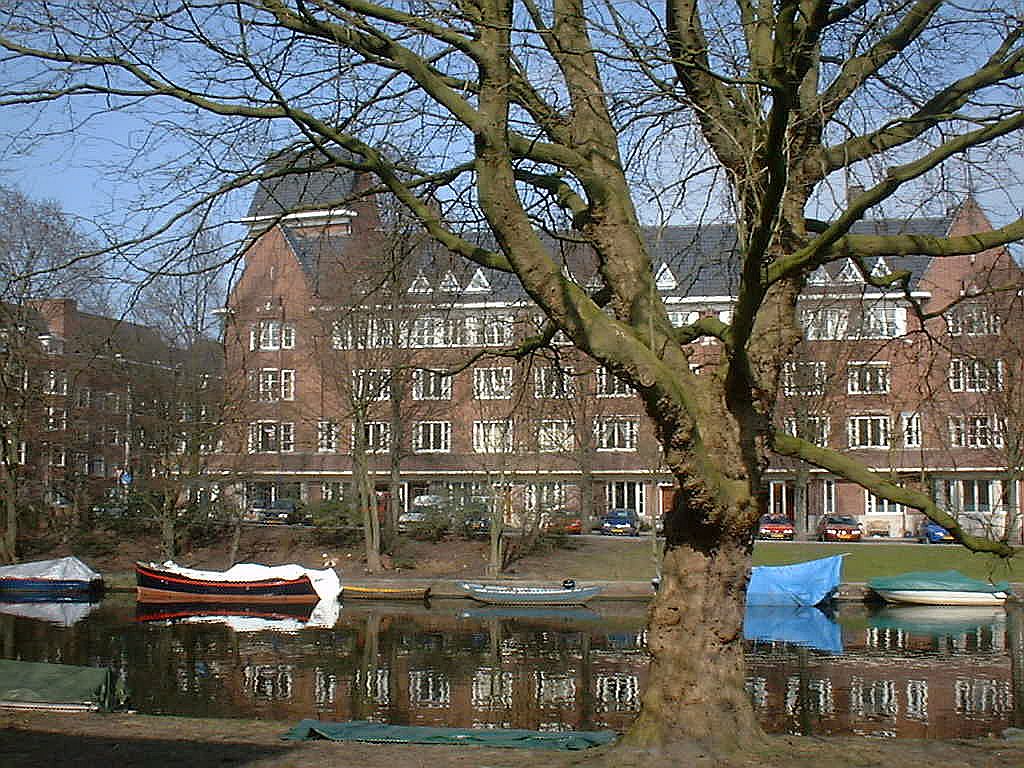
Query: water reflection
{"points": [[63, 614], [892, 672], [801, 625]]}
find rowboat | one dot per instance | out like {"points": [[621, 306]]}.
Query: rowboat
{"points": [[501, 594], [242, 583], [350, 592], [65, 578], [939, 588]]}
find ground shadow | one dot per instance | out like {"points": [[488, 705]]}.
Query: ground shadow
{"points": [[29, 749]]}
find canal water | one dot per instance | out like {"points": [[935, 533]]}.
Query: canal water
{"points": [[892, 672]]}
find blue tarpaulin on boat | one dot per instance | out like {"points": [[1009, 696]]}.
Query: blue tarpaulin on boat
{"points": [[797, 624], [807, 583], [380, 733]]}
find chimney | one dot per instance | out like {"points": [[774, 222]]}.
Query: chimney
{"points": [[61, 316]]}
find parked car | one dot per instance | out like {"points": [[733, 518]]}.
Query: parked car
{"points": [[283, 512], [932, 533], [563, 521], [477, 524], [620, 522], [776, 527], [839, 528]]}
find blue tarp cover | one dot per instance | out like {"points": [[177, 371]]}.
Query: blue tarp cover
{"points": [[937, 581], [796, 624], [807, 583], [362, 730]]}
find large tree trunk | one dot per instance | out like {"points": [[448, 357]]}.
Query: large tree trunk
{"points": [[695, 636]]}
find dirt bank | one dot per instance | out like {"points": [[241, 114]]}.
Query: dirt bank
{"points": [[30, 739]]}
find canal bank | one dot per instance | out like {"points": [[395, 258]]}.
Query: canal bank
{"points": [[85, 740]]}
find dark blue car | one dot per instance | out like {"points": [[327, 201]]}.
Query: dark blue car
{"points": [[933, 533]]}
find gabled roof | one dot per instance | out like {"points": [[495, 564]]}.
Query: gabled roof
{"points": [[291, 188]]}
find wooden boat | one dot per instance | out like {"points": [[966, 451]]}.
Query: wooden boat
{"points": [[242, 583], [65, 578], [353, 592], [501, 594], [939, 588]]}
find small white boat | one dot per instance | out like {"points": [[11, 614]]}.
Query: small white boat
{"points": [[939, 588], [501, 594]]}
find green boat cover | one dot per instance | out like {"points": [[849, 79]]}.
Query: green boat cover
{"points": [[362, 730], [34, 685], [935, 581]]}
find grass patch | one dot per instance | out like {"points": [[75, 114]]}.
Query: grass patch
{"points": [[866, 560]]}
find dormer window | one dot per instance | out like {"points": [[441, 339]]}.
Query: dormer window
{"points": [[420, 284], [479, 283], [665, 280], [449, 283], [52, 345]]}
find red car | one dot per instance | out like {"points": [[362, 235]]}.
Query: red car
{"points": [[776, 527], [564, 521], [839, 528]]}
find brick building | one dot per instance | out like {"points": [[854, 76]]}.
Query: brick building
{"points": [[346, 343], [95, 406]]}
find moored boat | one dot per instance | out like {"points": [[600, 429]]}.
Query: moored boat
{"points": [[64, 578], [939, 588], [242, 583], [501, 594], [364, 592], [800, 584]]}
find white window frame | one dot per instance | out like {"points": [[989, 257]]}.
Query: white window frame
{"points": [[275, 384], [431, 385], [326, 436], [493, 436], [371, 384], [973, 319], [814, 427], [617, 433], [804, 377], [432, 437], [825, 323], [869, 378], [283, 436], [556, 435], [883, 321], [58, 456], [492, 383], [968, 374], [376, 436], [978, 430], [910, 429], [489, 330], [551, 382], [878, 434], [271, 336], [876, 505], [56, 419], [610, 385], [56, 382]]}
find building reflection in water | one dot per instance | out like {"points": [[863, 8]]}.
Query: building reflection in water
{"points": [[900, 673]]}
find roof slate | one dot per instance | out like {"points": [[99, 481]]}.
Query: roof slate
{"points": [[291, 187]]}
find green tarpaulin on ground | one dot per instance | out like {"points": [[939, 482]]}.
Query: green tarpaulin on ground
{"points": [[362, 730], [54, 686]]}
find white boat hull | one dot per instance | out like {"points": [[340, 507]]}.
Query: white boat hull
{"points": [[941, 597], [509, 595]]}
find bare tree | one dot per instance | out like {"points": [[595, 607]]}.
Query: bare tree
{"points": [[520, 114]]}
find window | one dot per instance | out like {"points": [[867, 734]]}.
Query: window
{"points": [[326, 436], [362, 333], [804, 378], [371, 384], [492, 436], [56, 419], [377, 436], [56, 383], [883, 322], [555, 435], [432, 437], [910, 429], [824, 324], [553, 381], [435, 331], [973, 319], [868, 431], [828, 497], [610, 385], [113, 401], [875, 505], [273, 384], [489, 330], [969, 375], [271, 437], [546, 496], [431, 385], [868, 378], [271, 335], [492, 383], [58, 456], [83, 398], [813, 428], [22, 456], [976, 431], [617, 433]]}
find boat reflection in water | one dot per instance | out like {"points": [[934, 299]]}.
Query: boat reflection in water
{"points": [[268, 617], [460, 664], [61, 614]]}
